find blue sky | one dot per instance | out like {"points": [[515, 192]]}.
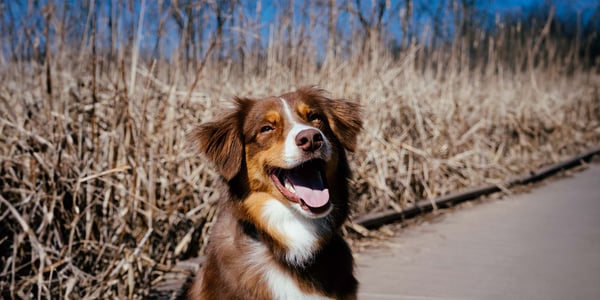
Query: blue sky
{"points": [[564, 8], [271, 10]]}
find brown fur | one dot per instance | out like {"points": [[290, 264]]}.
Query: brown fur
{"points": [[241, 152]]}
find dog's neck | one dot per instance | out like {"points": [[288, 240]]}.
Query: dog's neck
{"points": [[249, 230], [292, 239]]}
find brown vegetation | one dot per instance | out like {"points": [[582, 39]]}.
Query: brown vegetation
{"points": [[99, 194]]}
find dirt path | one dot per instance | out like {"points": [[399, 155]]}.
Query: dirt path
{"points": [[544, 244]]}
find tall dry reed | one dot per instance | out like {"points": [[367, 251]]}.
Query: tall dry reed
{"points": [[100, 195]]}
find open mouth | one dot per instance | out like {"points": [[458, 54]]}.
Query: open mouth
{"points": [[304, 184]]}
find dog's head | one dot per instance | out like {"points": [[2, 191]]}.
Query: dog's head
{"points": [[290, 147]]}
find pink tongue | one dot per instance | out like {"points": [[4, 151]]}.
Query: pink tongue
{"points": [[309, 187]]}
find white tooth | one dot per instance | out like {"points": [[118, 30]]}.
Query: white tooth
{"points": [[289, 186]]}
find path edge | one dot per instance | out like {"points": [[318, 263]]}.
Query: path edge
{"points": [[378, 219]]}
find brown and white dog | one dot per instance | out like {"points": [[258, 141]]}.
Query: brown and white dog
{"points": [[277, 234]]}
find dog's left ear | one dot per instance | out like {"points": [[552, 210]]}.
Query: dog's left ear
{"points": [[344, 118]]}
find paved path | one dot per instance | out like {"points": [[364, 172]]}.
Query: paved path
{"points": [[544, 244]]}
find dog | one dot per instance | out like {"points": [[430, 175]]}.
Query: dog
{"points": [[277, 235]]}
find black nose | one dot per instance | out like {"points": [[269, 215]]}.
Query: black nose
{"points": [[309, 140]]}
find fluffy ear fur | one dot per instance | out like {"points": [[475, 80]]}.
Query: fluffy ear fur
{"points": [[342, 115], [221, 141], [344, 120]]}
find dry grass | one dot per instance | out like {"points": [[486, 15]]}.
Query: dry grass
{"points": [[100, 194]]}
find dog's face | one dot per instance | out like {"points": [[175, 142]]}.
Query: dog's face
{"points": [[286, 147]]}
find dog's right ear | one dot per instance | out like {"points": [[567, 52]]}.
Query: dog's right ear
{"points": [[221, 141]]}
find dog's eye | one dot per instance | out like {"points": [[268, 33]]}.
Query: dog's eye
{"points": [[266, 128], [314, 117]]}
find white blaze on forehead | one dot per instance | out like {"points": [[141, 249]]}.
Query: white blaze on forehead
{"points": [[288, 113], [292, 153]]}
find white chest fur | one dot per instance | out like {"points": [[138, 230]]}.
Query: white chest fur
{"points": [[283, 287], [300, 233]]}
